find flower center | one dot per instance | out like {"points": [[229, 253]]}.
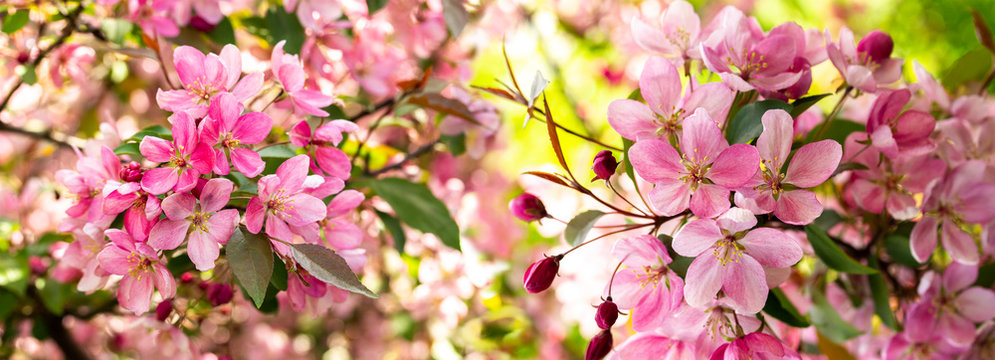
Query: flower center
{"points": [[696, 170], [651, 276], [727, 249], [279, 203], [230, 142], [199, 221]]}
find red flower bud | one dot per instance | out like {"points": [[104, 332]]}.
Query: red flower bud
{"points": [[599, 346], [527, 207], [200, 24], [604, 165], [37, 265], [877, 45], [162, 310], [131, 172], [186, 278], [607, 314], [219, 293], [540, 274]]}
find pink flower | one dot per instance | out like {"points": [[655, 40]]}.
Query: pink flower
{"points": [[701, 175], [732, 259], [647, 286], [204, 225], [811, 165], [226, 125], [893, 133], [676, 35], [900, 347], [326, 157], [647, 345], [152, 16], [93, 173], [82, 254], [338, 231], [754, 346], [186, 157], [74, 60], [313, 14], [950, 306], [204, 76], [745, 59], [281, 201], [290, 73], [962, 197], [141, 208], [889, 184], [141, 267], [867, 66], [665, 109]]}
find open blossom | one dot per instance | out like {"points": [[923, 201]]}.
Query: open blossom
{"points": [[228, 127], [732, 258], [141, 209], [746, 59], [204, 76], [287, 69], [893, 133], [665, 110], [646, 345], [647, 285], [338, 232], [950, 306], [889, 184], [82, 254], [754, 346], [203, 225], [322, 144], [959, 199], [701, 175], [93, 172], [868, 65], [811, 165], [186, 158], [281, 201], [153, 16], [141, 267], [676, 37], [311, 12]]}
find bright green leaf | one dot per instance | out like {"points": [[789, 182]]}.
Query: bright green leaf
{"points": [[780, 307], [825, 318], [223, 33], [832, 255], [251, 259], [325, 265], [838, 130], [455, 143], [15, 21], [27, 73], [14, 272], [415, 205], [580, 225], [115, 29], [394, 227], [973, 66], [746, 126]]}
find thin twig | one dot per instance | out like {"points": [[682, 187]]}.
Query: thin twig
{"points": [[410, 156]]}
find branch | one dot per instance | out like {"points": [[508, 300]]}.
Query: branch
{"points": [[47, 135], [407, 158]]}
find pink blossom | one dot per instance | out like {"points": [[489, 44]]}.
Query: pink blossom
{"points": [[204, 76], [859, 68], [645, 345], [186, 158], [701, 175], [287, 69], [141, 209], [141, 267], [950, 306], [893, 133], [647, 285], [732, 259], [960, 198], [313, 14], [889, 184], [811, 165], [82, 254], [93, 173], [203, 225], [338, 231], [665, 110], [746, 59], [282, 202], [74, 60], [207, 11], [152, 16], [227, 126], [756, 345], [674, 36], [321, 145], [900, 347], [484, 112]]}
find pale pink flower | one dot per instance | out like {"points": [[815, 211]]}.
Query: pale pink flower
{"points": [[701, 175], [730, 258], [646, 345], [674, 35], [889, 184], [867, 66], [665, 110], [754, 346], [321, 145], [141, 267], [960, 198], [227, 126], [281, 201], [153, 16], [314, 14], [647, 285], [82, 254], [811, 165], [892, 133], [287, 69], [93, 172], [900, 347], [204, 76], [186, 158], [205, 226], [338, 231], [72, 59], [950, 306], [207, 10], [746, 59]]}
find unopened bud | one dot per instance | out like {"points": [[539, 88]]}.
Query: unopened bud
{"points": [[607, 314], [604, 165], [877, 45], [599, 346], [527, 207], [37, 265], [200, 24], [131, 172], [163, 310], [540, 274], [219, 293], [23, 57], [186, 278]]}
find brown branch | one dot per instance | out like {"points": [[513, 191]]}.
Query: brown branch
{"points": [[407, 158]]}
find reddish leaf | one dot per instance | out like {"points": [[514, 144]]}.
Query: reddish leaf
{"points": [[549, 177], [442, 104], [554, 139], [983, 31]]}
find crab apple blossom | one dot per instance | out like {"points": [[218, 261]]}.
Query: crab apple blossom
{"points": [[337, 230], [756, 345], [288, 71], [892, 133], [959, 199], [141, 209], [701, 175], [746, 59], [651, 344], [607, 314], [889, 184], [82, 255], [205, 76], [153, 16], [731, 257], [186, 158], [950, 306], [93, 173], [527, 207], [676, 35], [868, 65], [228, 127], [281, 202], [321, 146], [646, 286], [203, 224], [599, 346], [141, 267]]}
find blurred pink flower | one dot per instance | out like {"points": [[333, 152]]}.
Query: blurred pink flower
{"points": [[746, 59], [949, 306], [756, 345], [868, 65], [287, 69], [674, 36], [960, 197], [892, 133]]}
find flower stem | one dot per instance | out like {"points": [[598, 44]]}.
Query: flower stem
{"points": [[832, 115]]}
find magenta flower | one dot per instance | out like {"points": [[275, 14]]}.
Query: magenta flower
{"points": [[754, 346], [186, 157], [745, 59], [960, 198], [676, 35], [339, 232], [867, 65], [527, 207], [203, 225], [141, 267], [892, 133], [141, 209], [227, 126], [811, 165], [731, 258], [701, 175], [665, 110], [950, 306], [647, 286], [326, 157], [288, 71], [204, 76], [282, 202]]}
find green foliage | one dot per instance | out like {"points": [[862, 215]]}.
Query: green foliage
{"points": [[972, 66], [415, 205], [394, 228], [780, 307], [825, 318], [251, 259], [14, 272], [746, 125], [832, 255], [375, 5], [27, 72], [799, 106], [223, 33], [881, 296], [15, 21], [580, 225], [275, 26], [128, 148], [116, 30], [325, 265], [455, 143]]}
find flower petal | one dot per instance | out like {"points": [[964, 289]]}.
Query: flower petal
{"points": [[656, 161], [774, 144], [704, 279], [178, 206], [252, 128], [660, 85], [709, 201], [670, 197], [632, 119], [771, 248], [813, 163], [696, 237], [798, 207], [734, 166], [248, 162], [923, 238], [701, 138], [203, 250], [159, 180], [304, 209], [745, 285], [975, 304], [959, 244], [215, 194], [168, 234]]}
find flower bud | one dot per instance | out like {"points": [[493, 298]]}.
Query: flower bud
{"points": [[604, 165], [607, 314], [219, 293], [131, 172], [23, 57], [540, 274], [186, 278], [37, 265], [527, 207], [877, 45], [599, 346], [163, 309], [201, 24]]}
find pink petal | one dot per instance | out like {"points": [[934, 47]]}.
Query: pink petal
{"points": [[247, 161], [813, 163], [224, 110], [798, 207], [709, 201], [203, 250], [304, 209], [660, 85], [222, 225], [291, 77], [135, 293], [159, 180], [734, 166], [333, 161], [646, 345], [176, 100], [156, 149], [975, 304], [956, 329], [315, 100], [714, 97], [168, 234], [735, 220], [231, 58], [202, 158], [187, 181], [215, 194], [736, 82], [114, 260], [957, 276], [771, 248], [345, 202], [277, 228], [641, 250], [632, 119], [650, 38], [654, 308], [189, 63], [976, 205], [254, 213], [248, 86], [902, 206], [656, 161], [252, 128], [341, 234], [774, 144], [136, 223], [163, 281], [627, 289], [696, 237], [178, 206], [184, 133], [702, 137], [670, 197], [745, 285], [923, 238], [704, 279], [221, 165], [292, 173], [959, 244]]}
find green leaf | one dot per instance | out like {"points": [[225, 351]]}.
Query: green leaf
{"points": [[415, 205], [285, 26], [325, 265], [455, 143], [782, 309], [375, 5], [394, 227], [158, 131], [53, 294], [636, 95], [223, 33], [8, 301], [825, 318], [986, 276], [746, 126], [626, 144], [974, 65], [879, 292], [838, 130], [580, 225], [279, 278], [898, 248], [455, 16], [116, 29], [27, 73], [832, 255], [15, 21], [130, 148], [251, 259], [827, 219], [274, 156], [14, 272], [680, 263], [799, 106], [847, 166]]}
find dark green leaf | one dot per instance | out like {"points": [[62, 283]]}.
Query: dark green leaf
{"points": [[325, 265], [880, 294], [257, 26], [832, 255], [285, 26], [455, 143], [825, 318], [455, 16], [130, 148], [799, 106], [251, 259], [158, 131], [115, 29], [274, 156], [847, 166], [375, 5], [626, 144], [780, 307], [580, 225], [827, 220], [897, 246], [838, 130], [279, 278], [180, 264], [415, 205], [53, 294], [15, 21], [394, 227], [746, 126], [8, 301], [223, 33], [973, 66]]}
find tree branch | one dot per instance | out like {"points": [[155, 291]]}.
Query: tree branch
{"points": [[407, 158]]}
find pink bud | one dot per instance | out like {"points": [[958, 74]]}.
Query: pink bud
{"points": [[131, 172], [186, 278], [219, 293], [599, 346], [877, 45], [23, 57], [607, 314], [540, 274], [37, 265], [527, 207], [200, 24], [604, 165], [801, 87], [163, 310]]}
